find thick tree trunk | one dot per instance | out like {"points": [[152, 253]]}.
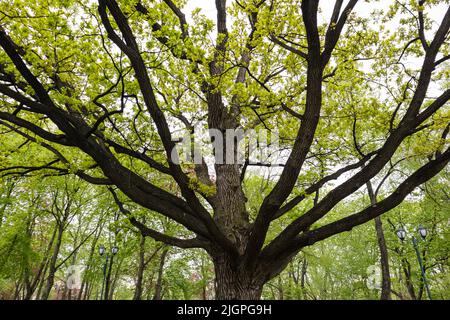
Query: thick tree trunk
{"points": [[234, 283]]}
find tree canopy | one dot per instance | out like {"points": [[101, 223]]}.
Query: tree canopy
{"points": [[104, 91]]}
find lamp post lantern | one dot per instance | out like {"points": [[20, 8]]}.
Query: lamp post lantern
{"points": [[401, 234], [422, 231]]}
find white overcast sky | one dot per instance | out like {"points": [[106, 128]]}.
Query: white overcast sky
{"points": [[363, 8]]}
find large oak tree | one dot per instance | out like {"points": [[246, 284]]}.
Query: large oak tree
{"points": [[101, 87]]}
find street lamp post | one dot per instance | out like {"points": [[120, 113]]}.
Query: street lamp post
{"points": [[106, 271], [401, 234]]}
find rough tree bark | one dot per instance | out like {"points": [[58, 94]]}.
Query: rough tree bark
{"points": [[234, 282]]}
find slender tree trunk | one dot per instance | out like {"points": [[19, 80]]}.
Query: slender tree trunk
{"points": [[17, 289], [303, 277], [26, 280], [27, 274], [115, 279], [141, 268], [42, 281], [204, 279], [41, 270], [158, 287], [421, 290], [409, 285], [52, 266], [85, 292], [280, 289], [108, 277], [384, 258], [7, 196], [84, 284], [150, 286]]}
